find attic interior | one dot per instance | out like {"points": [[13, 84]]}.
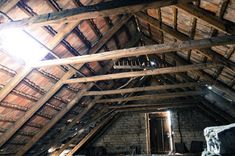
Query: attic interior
{"points": [[116, 77]]}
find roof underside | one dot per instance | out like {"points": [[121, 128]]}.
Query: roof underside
{"points": [[36, 105]]}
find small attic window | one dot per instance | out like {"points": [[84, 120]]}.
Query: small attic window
{"points": [[19, 44]]}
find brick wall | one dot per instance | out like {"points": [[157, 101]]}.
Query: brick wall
{"points": [[192, 123], [130, 129]]}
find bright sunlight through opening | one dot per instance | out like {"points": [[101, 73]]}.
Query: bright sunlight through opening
{"points": [[19, 44]]}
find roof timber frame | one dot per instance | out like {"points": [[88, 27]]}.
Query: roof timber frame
{"points": [[87, 12], [147, 88], [214, 21], [182, 37], [102, 41], [153, 96], [91, 104], [144, 50], [166, 70], [207, 52], [8, 5], [58, 85]]}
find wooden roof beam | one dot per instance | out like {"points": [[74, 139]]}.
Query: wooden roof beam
{"points": [[153, 96], [156, 108], [158, 104], [203, 15], [166, 70], [95, 49], [144, 50], [182, 37], [23, 72], [143, 89], [103, 9], [8, 5], [94, 131]]}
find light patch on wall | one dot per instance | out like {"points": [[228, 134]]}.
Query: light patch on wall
{"points": [[19, 44]]}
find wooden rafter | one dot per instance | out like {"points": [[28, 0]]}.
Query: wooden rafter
{"points": [[8, 5], [176, 34], [92, 133], [107, 116], [182, 37], [159, 104], [144, 50], [87, 12], [153, 96], [95, 49], [214, 21], [91, 104], [158, 71], [148, 88], [22, 74]]}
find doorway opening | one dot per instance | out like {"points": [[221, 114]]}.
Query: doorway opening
{"points": [[159, 134]]}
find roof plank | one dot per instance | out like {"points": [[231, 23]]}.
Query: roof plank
{"points": [[93, 11], [144, 50], [94, 49]]}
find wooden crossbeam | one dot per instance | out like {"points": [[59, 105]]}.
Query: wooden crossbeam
{"points": [[159, 104], [23, 73], [93, 11], [91, 104], [95, 49], [156, 107], [166, 70], [148, 88], [202, 14], [144, 50], [153, 97], [182, 37]]}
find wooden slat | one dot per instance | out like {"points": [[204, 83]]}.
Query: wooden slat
{"points": [[160, 104], [8, 5], [148, 88], [91, 104], [144, 50], [182, 37], [95, 49], [214, 21], [87, 12], [158, 71], [107, 115], [157, 108], [153, 97], [22, 74], [92, 133]]}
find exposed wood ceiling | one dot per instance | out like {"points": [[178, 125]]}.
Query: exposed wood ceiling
{"points": [[184, 45]]}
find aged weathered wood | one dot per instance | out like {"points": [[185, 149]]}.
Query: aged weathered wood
{"points": [[160, 104], [147, 88], [182, 37], [92, 133], [153, 97], [95, 49], [90, 105], [144, 50], [23, 73], [210, 19], [87, 12], [158, 71], [8, 5], [156, 108]]}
